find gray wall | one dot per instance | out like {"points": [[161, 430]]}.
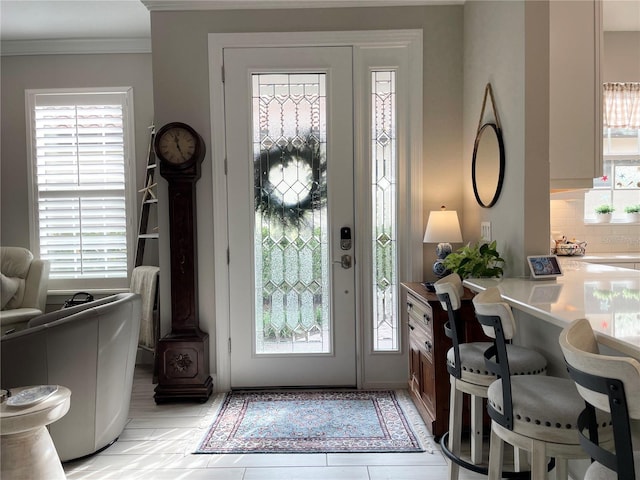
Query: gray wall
{"points": [[504, 43], [621, 57], [507, 44], [181, 93], [19, 73]]}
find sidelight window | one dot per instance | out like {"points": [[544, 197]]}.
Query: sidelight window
{"points": [[384, 211]]}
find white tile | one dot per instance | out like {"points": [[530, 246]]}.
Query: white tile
{"points": [[268, 460], [105, 462], [198, 474], [143, 434], [98, 475], [404, 472], [158, 439], [147, 447], [307, 473], [165, 474], [425, 458], [164, 422], [130, 434]]}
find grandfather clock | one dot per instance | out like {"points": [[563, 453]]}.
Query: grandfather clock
{"points": [[183, 354]]}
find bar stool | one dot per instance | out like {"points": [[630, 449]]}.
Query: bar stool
{"points": [[468, 375], [536, 413], [607, 383]]}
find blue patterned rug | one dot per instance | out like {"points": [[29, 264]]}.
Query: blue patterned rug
{"points": [[310, 422]]}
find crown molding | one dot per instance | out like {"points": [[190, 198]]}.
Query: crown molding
{"points": [[75, 46], [175, 5]]}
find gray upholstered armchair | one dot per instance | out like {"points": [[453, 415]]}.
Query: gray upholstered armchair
{"points": [[90, 349], [24, 282]]}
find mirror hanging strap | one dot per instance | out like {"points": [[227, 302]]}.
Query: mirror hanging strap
{"points": [[489, 91]]}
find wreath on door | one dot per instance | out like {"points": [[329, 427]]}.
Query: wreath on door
{"points": [[290, 179]]}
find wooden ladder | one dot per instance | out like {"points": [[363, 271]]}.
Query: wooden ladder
{"points": [[148, 199]]}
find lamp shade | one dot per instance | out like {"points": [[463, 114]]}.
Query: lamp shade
{"points": [[443, 226]]}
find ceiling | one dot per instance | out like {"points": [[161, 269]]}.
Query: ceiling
{"points": [[116, 19]]}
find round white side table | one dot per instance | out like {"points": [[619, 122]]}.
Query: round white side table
{"points": [[26, 446]]}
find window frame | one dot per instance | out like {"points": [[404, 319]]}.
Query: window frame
{"points": [[69, 285], [619, 216]]}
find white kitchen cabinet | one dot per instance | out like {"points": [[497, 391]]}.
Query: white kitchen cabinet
{"points": [[575, 93]]}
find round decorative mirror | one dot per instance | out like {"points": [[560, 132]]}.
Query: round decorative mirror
{"points": [[487, 168]]}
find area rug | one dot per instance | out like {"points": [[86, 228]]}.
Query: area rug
{"points": [[310, 422]]}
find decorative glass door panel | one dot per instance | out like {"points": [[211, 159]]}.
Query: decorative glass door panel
{"points": [[384, 211], [290, 187], [289, 140]]}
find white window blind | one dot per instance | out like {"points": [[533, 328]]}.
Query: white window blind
{"points": [[80, 163]]}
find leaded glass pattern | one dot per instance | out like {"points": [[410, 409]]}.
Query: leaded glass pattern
{"points": [[290, 235], [384, 210]]}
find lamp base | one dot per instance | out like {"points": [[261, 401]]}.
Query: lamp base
{"points": [[442, 250], [439, 269], [429, 286]]}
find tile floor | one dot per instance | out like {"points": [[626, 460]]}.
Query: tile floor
{"points": [[158, 441]]}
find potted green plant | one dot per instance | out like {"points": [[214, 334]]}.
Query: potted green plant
{"points": [[479, 260], [604, 213], [633, 213]]}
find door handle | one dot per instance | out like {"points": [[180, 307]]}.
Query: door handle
{"points": [[345, 261]]}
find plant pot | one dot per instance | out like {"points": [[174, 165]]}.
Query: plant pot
{"points": [[603, 217], [633, 217]]}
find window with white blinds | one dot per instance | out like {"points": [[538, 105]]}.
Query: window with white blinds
{"points": [[81, 169]]}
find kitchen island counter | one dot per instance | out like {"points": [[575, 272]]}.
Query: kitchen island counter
{"points": [[609, 297]]}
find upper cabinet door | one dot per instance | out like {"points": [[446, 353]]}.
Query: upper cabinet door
{"points": [[575, 93]]}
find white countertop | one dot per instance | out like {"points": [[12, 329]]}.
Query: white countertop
{"points": [[608, 257], [608, 297]]}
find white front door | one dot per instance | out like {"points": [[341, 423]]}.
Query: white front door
{"points": [[289, 141]]}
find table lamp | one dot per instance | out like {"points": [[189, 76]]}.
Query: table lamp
{"points": [[442, 227]]}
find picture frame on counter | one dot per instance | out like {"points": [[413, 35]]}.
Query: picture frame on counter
{"points": [[544, 267]]}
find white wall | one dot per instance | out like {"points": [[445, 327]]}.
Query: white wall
{"points": [[567, 213], [19, 73]]}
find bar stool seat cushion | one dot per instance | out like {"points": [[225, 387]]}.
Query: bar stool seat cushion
{"points": [[522, 361], [544, 408], [597, 471]]}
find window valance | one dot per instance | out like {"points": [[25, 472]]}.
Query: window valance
{"points": [[621, 107]]}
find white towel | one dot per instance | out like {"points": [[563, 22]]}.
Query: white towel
{"points": [[144, 281]]}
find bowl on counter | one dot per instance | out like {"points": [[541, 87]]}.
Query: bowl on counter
{"points": [[570, 249]]}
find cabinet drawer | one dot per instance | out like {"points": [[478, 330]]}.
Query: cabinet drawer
{"points": [[421, 339], [420, 312]]}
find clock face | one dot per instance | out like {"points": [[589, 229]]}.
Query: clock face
{"points": [[176, 145]]}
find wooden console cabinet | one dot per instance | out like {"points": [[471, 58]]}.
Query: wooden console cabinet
{"points": [[428, 346]]}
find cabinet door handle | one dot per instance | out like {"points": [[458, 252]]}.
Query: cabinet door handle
{"points": [[426, 318], [411, 327], [428, 345], [409, 306]]}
